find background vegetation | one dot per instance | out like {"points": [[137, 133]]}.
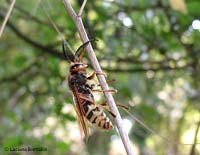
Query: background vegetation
{"points": [[151, 47]]}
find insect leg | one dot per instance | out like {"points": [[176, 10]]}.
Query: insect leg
{"points": [[112, 114], [119, 105], [101, 73], [101, 90], [94, 85], [104, 106], [87, 99], [91, 76], [108, 81]]}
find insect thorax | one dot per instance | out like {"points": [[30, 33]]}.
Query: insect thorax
{"points": [[78, 79]]}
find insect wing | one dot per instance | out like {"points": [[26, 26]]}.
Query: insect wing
{"points": [[80, 112]]}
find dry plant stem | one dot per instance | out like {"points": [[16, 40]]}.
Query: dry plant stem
{"points": [[7, 17], [79, 24], [82, 7]]}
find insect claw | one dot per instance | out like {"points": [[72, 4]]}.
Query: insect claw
{"points": [[101, 73]]}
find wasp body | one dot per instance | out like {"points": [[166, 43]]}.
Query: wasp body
{"points": [[85, 104]]}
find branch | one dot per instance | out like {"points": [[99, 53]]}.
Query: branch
{"points": [[7, 17], [88, 26], [82, 8], [80, 27]]}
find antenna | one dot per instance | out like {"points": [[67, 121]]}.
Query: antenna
{"points": [[80, 51]]}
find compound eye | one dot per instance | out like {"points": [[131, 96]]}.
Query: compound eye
{"points": [[76, 66], [73, 67]]}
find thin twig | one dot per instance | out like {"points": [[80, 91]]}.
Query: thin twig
{"points": [[80, 27], [82, 8], [7, 17]]}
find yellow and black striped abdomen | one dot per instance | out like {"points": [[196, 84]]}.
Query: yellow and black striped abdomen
{"points": [[96, 116]]}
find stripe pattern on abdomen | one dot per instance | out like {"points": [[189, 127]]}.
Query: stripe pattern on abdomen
{"points": [[96, 116]]}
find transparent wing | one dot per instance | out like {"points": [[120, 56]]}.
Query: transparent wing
{"points": [[80, 112]]}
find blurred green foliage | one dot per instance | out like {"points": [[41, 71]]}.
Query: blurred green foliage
{"points": [[151, 48]]}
